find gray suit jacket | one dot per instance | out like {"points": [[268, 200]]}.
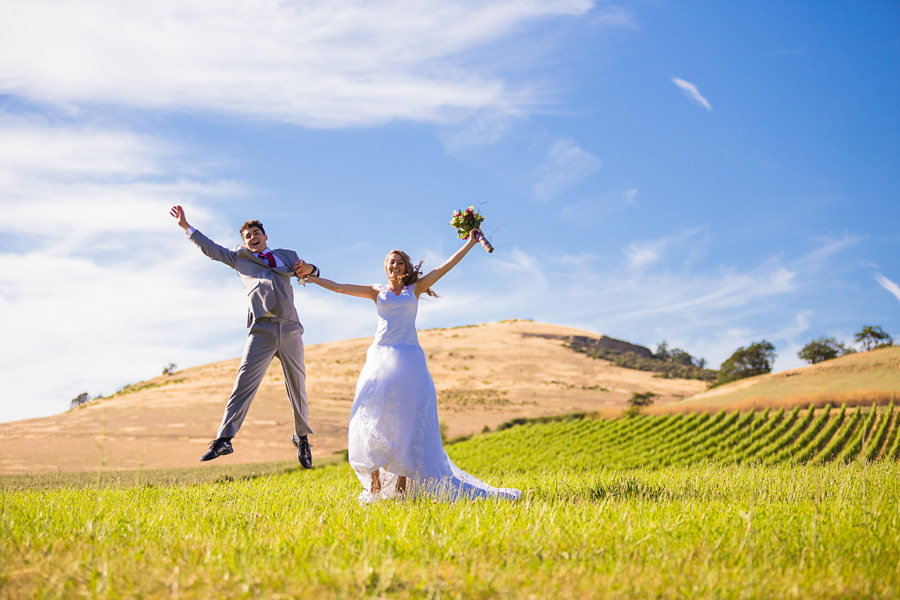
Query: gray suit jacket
{"points": [[268, 289]]}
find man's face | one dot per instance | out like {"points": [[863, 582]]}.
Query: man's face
{"points": [[254, 239]]}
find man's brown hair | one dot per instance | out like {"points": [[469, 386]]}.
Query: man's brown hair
{"points": [[252, 223]]}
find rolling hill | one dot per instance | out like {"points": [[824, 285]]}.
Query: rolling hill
{"points": [[485, 375], [856, 379]]}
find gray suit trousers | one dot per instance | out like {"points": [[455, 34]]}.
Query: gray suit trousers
{"points": [[269, 337]]}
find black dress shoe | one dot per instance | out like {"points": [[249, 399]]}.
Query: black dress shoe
{"points": [[218, 447], [304, 454]]}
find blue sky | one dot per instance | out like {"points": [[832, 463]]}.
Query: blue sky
{"points": [[706, 173]]}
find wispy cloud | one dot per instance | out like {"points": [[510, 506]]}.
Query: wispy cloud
{"points": [[889, 285], [690, 90], [612, 15], [643, 254], [589, 213], [315, 64], [829, 247], [707, 309], [481, 129], [566, 165], [726, 290]]}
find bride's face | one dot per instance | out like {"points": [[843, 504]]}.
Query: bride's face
{"points": [[395, 266]]}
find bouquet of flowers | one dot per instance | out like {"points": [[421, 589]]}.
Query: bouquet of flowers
{"points": [[467, 220]]}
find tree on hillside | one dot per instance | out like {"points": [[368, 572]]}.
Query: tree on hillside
{"points": [[755, 359], [682, 357], [677, 356], [822, 349], [873, 336], [79, 399], [639, 400], [662, 350], [642, 399]]}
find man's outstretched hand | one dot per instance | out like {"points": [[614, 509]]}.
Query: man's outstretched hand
{"points": [[302, 268], [178, 213]]}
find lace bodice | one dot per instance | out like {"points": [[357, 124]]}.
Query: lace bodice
{"points": [[396, 317]]}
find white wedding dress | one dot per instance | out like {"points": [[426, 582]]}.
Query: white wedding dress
{"points": [[394, 425]]}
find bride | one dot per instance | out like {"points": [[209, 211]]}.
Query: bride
{"points": [[394, 437]]}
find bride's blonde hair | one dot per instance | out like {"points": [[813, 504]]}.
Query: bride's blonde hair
{"points": [[412, 273]]}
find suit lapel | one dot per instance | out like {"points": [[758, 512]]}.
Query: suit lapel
{"points": [[285, 259], [250, 255]]}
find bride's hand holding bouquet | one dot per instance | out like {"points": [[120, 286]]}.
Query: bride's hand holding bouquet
{"points": [[467, 223]]}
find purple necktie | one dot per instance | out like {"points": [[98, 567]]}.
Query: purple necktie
{"points": [[267, 256]]}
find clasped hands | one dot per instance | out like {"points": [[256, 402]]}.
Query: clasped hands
{"points": [[303, 269]]}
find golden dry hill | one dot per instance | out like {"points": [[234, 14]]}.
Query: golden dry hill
{"points": [[484, 374], [865, 378]]}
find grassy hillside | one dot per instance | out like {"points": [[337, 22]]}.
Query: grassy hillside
{"points": [[856, 379], [590, 524]]}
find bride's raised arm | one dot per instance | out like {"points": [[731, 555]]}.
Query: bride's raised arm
{"points": [[432, 277]]}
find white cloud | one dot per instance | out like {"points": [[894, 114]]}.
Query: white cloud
{"points": [[889, 285], [85, 325], [97, 309], [32, 147], [690, 90], [150, 299], [83, 189], [566, 165], [316, 64]]}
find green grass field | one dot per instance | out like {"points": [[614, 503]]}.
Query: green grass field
{"points": [[777, 505]]}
